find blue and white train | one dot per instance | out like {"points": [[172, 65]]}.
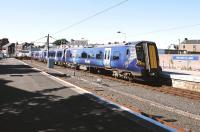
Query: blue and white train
{"points": [[135, 59]]}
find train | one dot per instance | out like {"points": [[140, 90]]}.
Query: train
{"points": [[130, 60]]}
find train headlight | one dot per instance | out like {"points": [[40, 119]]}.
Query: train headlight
{"points": [[140, 63], [152, 74]]}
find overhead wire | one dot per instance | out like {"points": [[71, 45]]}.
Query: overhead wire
{"points": [[167, 29], [90, 17], [38, 39], [83, 20]]}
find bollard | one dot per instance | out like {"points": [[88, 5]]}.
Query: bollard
{"points": [[50, 63]]}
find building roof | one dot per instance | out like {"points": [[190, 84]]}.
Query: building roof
{"points": [[191, 42]]}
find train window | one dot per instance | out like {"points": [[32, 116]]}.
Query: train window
{"points": [[99, 55], [52, 54], [108, 54], [127, 52], [59, 54], [140, 53], [116, 55], [68, 54], [84, 55]]}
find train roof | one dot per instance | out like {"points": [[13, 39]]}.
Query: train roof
{"points": [[58, 49], [112, 45]]}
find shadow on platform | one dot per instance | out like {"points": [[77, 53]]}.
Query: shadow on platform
{"points": [[25, 111], [16, 69]]}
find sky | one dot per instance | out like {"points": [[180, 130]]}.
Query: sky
{"points": [[162, 21]]}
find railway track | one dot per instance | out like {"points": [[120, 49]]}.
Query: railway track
{"points": [[163, 89]]}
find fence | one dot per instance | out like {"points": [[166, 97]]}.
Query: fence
{"points": [[177, 61]]}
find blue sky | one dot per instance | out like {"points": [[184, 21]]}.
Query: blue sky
{"points": [[27, 20]]}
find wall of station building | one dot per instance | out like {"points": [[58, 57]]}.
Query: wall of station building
{"points": [[180, 61]]}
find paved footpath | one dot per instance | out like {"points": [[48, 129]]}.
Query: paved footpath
{"points": [[30, 101]]}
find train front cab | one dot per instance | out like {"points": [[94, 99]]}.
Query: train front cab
{"points": [[147, 56]]}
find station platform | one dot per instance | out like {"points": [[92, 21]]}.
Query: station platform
{"points": [[183, 79], [31, 101]]}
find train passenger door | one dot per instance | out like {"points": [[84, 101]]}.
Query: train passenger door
{"points": [[107, 57]]}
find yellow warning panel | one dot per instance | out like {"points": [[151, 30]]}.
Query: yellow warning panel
{"points": [[153, 58]]}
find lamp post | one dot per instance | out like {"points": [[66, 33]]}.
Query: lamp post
{"points": [[123, 34], [47, 45]]}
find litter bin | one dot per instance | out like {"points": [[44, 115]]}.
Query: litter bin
{"points": [[50, 63]]}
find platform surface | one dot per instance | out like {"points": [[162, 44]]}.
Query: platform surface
{"points": [[193, 76]]}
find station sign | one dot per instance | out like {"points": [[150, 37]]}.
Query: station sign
{"points": [[178, 57]]}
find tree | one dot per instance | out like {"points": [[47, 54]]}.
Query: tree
{"points": [[3, 42], [60, 41]]}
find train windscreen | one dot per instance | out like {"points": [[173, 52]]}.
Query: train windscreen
{"points": [[140, 55]]}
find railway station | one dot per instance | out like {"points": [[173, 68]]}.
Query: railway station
{"points": [[100, 66], [96, 88]]}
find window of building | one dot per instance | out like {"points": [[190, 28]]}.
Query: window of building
{"points": [[183, 46], [116, 55]]}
